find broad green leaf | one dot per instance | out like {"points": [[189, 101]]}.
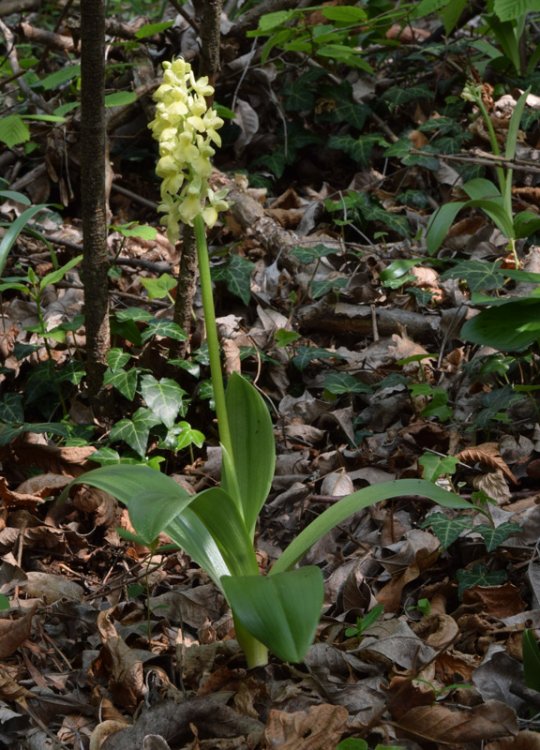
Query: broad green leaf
{"points": [[135, 432], [160, 287], [165, 328], [253, 448], [153, 499], [480, 275], [531, 660], [320, 287], [397, 273], [357, 501], [307, 354], [344, 13], [526, 223], [344, 383], [481, 189], [149, 29], [136, 314], [221, 516], [271, 20], [504, 326], [451, 14], [426, 7], [57, 275], [310, 254], [494, 537], [440, 223], [117, 358], [236, 273], [447, 530], [134, 229], [434, 466], [479, 575], [283, 337], [125, 381], [11, 408], [163, 397], [510, 10], [190, 534], [10, 237], [352, 743], [120, 98], [282, 611], [61, 76], [13, 130]]}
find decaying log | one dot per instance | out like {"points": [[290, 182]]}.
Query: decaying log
{"points": [[360, 320], [7, 7]]}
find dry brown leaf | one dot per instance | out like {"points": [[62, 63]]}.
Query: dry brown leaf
{"points": [[51, 588], [488, 456], [120, 664], [13, 632], [449, 726], [318, 728], [18, 499], [498, 601], [522, 741]]}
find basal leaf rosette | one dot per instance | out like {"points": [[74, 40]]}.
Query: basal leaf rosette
{"points": [[186, 130]]}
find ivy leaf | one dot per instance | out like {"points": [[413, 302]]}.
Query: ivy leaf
{"points": [[479, 575], [135, 314], [11, 409], [359, 149], [307, 354], [125, 381], [494, 537], [135, 432], [117, 359], [321, 287], [447, 530], [163, 397], [344, 383], [480, 275], [237, 276], [165, 328], [307, 255]]}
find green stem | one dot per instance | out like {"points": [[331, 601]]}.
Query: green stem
{"points": [[255, 652], [211, 334]]}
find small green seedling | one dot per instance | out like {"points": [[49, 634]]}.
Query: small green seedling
{"points": [[365, 622]]}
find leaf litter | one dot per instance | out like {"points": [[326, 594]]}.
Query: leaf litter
{"points": [[105, 645]]}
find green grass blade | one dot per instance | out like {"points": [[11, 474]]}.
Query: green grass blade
{"points": [[10, 237], [355, 502]]}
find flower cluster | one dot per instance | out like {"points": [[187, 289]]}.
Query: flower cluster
{"points": [[185, 128]]}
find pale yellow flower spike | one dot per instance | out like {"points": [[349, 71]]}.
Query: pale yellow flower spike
{"points": [[185, 129]]}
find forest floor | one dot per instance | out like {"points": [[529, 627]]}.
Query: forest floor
{"points": [[327, 300]]}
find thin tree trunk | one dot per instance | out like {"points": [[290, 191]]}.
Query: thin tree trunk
{"points": [[93, 190], [209, 16]]}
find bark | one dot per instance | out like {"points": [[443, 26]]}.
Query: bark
{"points": [[93, 190]]}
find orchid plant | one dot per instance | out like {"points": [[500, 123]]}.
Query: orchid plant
{"points": [[216, 527]]}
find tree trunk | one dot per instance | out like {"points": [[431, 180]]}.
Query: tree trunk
{"points": [[93, 190]]}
